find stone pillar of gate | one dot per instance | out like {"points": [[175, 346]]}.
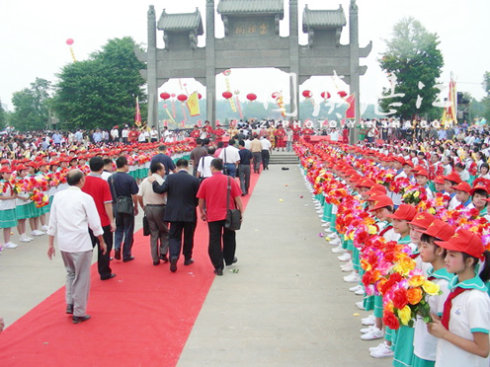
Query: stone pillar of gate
{"points": [[151, 67], [293, 60], [210, 65], [354, 66]]}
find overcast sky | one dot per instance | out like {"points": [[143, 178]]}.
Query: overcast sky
{"points": [[33, 38]]}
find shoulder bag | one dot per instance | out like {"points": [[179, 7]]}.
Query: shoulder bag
{"points": [[122, 204], [233, 219]]}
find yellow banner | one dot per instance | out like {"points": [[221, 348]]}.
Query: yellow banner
{"points": [[193, 104]]}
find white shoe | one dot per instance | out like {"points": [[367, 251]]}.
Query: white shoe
{"points": [[379, 346], [355, 288], [373, 334], [360, 305], [44, 228], [347, 267], [370, 320], [344, 257], [335, 242], [360, 292], [352, 278], [10, 245], [338, 250], [29, 238], [24, 238], [325, 224], [367, 329], [37, 232], [382, 352]]}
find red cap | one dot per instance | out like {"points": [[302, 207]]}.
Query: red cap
{"points": [[408, 163], [381, 201], [400, 159], [440, 230], [422, 220], [404, 212], [365, 183], [377, 190], [439, 180], [453, 177], [463, 186], [20, 167], [478, 187], [5, 169], [464, 241], [422, 172]]}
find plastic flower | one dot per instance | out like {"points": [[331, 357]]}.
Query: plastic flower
{"points": [[431, 288], [416, 281], [414, 295], [390, 320], [404, 265], [400, 299], [405, 315]]}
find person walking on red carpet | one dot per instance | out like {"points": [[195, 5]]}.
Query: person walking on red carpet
{"points": [[181, 189], [73, 212], [99, 190], [212, 196]]}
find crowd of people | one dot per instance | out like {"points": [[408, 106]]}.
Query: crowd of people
{"points": [[409, 223]]}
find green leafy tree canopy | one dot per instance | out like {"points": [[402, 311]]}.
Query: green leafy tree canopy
{"points": [[31, 106], [413, 57], [101, 91]]}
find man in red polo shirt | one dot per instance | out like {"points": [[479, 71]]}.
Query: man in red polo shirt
{"points": [[212, 197], [99, 189]]}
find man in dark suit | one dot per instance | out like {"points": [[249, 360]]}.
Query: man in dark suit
{"points": [[181, 189]]}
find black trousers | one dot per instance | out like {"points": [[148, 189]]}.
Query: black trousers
{"points": [[217, 253], [175, 239], [244, 174], [265, 159], [103, 260]]}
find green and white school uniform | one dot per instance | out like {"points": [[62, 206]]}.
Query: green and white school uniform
{"points": [[7, 207], [470, 313], [424, 344], [24, 209]]}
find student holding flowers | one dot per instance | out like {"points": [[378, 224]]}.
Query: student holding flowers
{"points": [[465, 323]]}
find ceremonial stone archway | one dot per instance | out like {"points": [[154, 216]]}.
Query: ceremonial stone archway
{"points": [[251, 40]]}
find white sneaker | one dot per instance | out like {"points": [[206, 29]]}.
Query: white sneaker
{"points": [[328, 229], [360, 292], [379, 346], [332, 235], [367, 329], [338, 250], [353, 278], [37, 232], [24, 238], [382, 352], [344, 257], [373, 333], [355, 288], [370, 320], [326, 224], [347, 267], [44, 228], [335, 242], [360, 305], [10, 245]]}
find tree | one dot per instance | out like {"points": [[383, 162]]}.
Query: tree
{"points": [[413, 57], [3, 117], [101, 91], [486, 100], [31, 106]]}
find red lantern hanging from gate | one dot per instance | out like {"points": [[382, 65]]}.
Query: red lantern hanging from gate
{"points": [[182, 97], [251, 97], [342, 93], [227, 95], [307, 94], [325, 95], [164, 95]]}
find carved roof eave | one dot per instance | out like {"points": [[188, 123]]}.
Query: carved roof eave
{"points": [[181, 22]]}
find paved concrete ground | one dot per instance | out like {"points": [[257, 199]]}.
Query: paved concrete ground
{"points": [[287, 305]]}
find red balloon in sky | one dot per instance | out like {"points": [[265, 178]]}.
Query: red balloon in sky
{"points": [[164, 95], [182, 97], [251, 97], [227, 95], [307, 94], [69, 41]]}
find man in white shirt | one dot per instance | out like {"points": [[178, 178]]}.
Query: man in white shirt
{"points": [[266, 149], [115, 134], [204, 165], [73, 212], [231, 158]]}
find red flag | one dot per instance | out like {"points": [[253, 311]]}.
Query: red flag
{"points": [[351, 110], [137, 116]]}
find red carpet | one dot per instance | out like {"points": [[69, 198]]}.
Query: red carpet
{"points": [[142, 317]]}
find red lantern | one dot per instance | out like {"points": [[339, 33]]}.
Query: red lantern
{"points": [[251, 97], [182, 97], [342, 94], [227, 95], [325, 95], [275, 95], [69, 41], [199, 95], [307, 94], [164, 95]]}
